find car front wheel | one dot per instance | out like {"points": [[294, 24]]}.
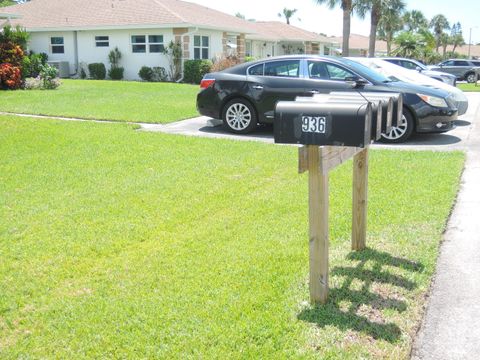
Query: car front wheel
{"points": [[401, 132], [239, 116]]}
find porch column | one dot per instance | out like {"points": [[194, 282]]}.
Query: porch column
{"points": [[308, 48], [184, 40], [241, 47], [224, 43], [315, 48]]}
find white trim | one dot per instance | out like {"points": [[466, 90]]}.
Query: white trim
{"points": [[137, 26]]}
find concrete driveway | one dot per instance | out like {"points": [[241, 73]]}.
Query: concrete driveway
{"points": [[456, 139]]}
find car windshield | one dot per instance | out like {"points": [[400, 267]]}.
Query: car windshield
{"points": [[366, 72]]}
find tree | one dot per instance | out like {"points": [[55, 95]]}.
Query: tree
{"points": [[376, 8], [287, 13], [414, 20], [347, 6], [439, 23], [457, 36], [390, 23]]}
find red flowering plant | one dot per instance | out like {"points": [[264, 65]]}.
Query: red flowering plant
{"points": [[10, 76], [11, 53]]}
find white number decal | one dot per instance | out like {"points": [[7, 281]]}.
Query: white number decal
{"points": [[314, 124]]}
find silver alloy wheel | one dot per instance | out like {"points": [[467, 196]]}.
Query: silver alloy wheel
{"points": [[471, 78], [238, 116], [397, 131]]}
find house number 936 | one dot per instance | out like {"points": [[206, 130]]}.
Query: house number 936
{"points": [[314, 124]]}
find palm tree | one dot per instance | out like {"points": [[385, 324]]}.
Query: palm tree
{"points": [[457, 36], [438, 24], [414, 20], [376, 8], [347, 6], [390, 23], [288, 13]]}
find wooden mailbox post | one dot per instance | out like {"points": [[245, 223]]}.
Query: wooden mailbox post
{"points": [[332, 132]]}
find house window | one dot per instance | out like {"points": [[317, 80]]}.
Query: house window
{"points": [[200, 47], [102, 41], [139, 43], [154, 43], [57, 45]]}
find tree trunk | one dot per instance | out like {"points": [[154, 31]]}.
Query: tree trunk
{"points": [[346, 32], [374, 18]]}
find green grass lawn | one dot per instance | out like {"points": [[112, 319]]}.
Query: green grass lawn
{"points": [[107, 100], [117, 243], [468, 87]]}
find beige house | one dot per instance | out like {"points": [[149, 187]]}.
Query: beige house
{"points": [[73, 32], [358, 45]]}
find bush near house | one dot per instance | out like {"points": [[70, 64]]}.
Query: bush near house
{"points": [[194, 70], [10, 76], [155, 74], [97, 71], [225, 63]]}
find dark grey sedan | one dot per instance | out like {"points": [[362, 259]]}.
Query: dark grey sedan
{"points": [[246, 94]]}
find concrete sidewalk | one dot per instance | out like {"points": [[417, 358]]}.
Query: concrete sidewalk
{"points": [[451, 326]]}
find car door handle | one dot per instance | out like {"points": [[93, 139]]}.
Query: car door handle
{"points": [[257, 87], [313, 92]]}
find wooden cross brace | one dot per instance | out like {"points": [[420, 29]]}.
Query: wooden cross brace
{"points": [[318, 161]]}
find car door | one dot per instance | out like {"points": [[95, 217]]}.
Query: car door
{"points": [[325, 76], [447, 66], [278, 80]]}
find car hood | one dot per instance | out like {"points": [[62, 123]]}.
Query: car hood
{"points": [[437, 73], [400, 86]]}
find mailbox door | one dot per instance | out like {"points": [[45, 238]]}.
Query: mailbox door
{"points": [[282, 81]]}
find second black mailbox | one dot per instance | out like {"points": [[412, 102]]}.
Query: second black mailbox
{"points": [[312, 123]]}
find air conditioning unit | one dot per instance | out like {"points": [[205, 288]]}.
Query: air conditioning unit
{"points": [[63, 68]]}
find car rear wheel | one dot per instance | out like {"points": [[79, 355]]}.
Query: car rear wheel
{"points": [[401, 132], [471, 78], [239, 116]]}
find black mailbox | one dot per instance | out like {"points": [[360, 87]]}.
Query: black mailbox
{"points": [[397, 98], [316, 123], [381, 110]]}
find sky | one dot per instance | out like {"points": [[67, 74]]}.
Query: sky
{"points": [[320, 19]]}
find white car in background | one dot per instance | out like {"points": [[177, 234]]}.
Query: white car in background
{"points": [[399, 73]]}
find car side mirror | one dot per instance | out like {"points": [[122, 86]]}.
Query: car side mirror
{"points": [[418, 68], [355, 81]]}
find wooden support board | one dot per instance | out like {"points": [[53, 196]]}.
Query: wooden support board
{"points": [[318, 161]]}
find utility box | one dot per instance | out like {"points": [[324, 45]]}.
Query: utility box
{"points": [[329, 123], [63, 68]]}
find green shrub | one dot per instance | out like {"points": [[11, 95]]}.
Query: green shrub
{"points": [[31, 65], [97, 71], [146, 73], [159, 74], [49, 77], [116, 73], [194, 70]]}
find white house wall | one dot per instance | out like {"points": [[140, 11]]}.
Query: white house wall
{"points": [[132, 62]]}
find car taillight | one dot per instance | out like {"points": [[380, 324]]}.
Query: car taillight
{"points": [[205, 83]]}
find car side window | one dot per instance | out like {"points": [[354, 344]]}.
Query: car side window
{"points": [[286, 68], [460, 63], [338, 73], [447, 63], [476, 63], [409, 65], [256, 70], [317, 70]]}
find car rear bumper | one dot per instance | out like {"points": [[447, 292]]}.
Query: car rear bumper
{"points": [[207, 103]]}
